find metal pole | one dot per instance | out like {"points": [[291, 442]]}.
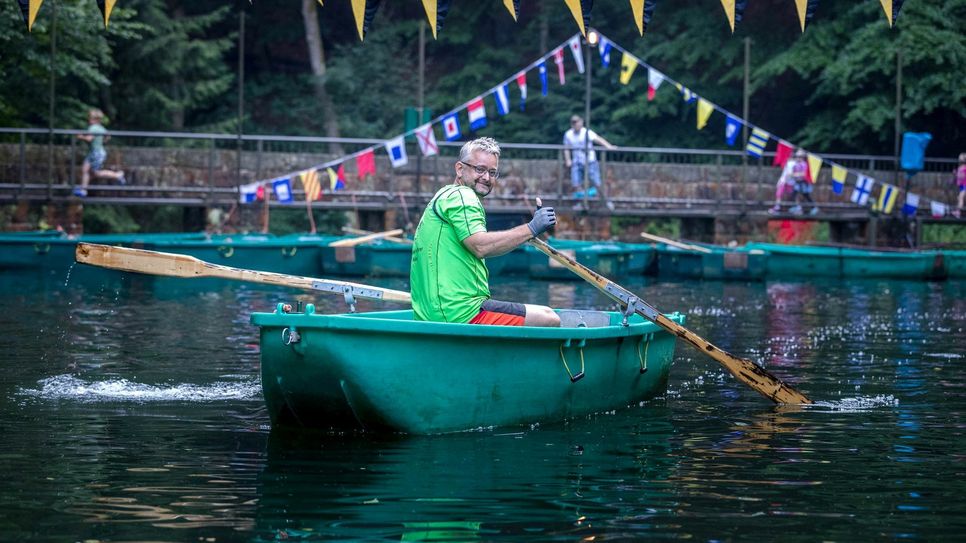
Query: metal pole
{"points": [[52, 97], [745, 100], [587, 125], [241, 95], [898, 112], [419, 109]]}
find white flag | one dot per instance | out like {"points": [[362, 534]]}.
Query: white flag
{"points": [[396, 149], [427, 140], [574, 44], [938, 209], [863, 188]]}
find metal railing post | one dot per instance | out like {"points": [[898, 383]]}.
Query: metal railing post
{"points": [[211, 167], [23, 160]]}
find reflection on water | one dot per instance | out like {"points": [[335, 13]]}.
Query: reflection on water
{"points": [[131, 411]]}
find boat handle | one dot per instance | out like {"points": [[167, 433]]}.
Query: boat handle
{"points": [[643, 358], [289, 251], [580, 374], [226, 251], [41, 249], [290, 336]]}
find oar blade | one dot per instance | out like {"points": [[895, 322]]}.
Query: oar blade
{"points": [[139, 261], [744, 370]]}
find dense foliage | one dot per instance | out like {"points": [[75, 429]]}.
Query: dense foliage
{"points": [[172, 65]]}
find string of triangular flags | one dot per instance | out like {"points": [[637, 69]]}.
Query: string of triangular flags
{"points": [[364, 11], [30, 8], [759, 139], [451, 123]]}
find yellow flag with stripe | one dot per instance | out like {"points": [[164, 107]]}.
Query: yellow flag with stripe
{"points": [[628, 65], [814, 166], [310, 182], [887, 198], [704, 112], [729, 7]]}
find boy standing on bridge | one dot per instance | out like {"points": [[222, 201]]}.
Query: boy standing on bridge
{"points": [[94, 161]]}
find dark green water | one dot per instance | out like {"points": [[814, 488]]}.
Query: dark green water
{"points": [[131, 411]]}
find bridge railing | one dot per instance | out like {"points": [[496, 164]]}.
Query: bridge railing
{"points": [[199, 162]]}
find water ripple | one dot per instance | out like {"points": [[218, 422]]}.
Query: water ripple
{"points": [[68, 387]]}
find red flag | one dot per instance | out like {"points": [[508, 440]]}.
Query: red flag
{"points": [[782, 153], [558, 58], [366, 164]]}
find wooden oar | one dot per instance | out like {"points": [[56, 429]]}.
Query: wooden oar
{"points": [[357, 232], [678, 244], [362, 239], [175, 265], [743, 369]]}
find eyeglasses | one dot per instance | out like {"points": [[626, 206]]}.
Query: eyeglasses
{"points": [[480, 170]]}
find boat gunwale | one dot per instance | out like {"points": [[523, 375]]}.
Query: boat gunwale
{"points": [[371, 322]]}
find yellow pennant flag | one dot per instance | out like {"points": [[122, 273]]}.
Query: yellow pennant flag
{"points": [[359, 13], [814, 166], [430, 7], [511, 6], [576, 8], [106, 7], [729, 7], [310, 182], [637, 6], [704, 112], [29, 11], [802, 6], [628, 65]]}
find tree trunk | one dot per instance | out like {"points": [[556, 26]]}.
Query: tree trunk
{"points": [[313, 39]]}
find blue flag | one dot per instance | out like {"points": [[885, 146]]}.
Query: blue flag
{"points": [[283, 190], [604, 49], [732, 128], [542, 67]]}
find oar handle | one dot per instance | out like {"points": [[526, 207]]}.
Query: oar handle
{"points": [[743, 369]]}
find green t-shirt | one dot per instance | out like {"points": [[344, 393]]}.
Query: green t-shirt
{"points": [[448, 282], [97, 144]]}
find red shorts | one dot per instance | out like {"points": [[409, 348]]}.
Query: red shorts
{"points": [[500, 313]]}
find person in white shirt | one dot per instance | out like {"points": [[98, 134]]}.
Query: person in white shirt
{"points": [[579, 154]]}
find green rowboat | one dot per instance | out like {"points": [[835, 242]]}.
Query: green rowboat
{"points": [[383, 371], [794, 261]]}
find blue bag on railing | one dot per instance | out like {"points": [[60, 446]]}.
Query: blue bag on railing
{"points": [[914, 151]]}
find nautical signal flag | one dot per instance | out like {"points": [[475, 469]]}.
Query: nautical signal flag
{"points": [[604, 48], [522, 84], [29, 9], [542, 69], [426, 138], [366, 164], [336, 178], [396, 148], [937, 209], [704, 111], [477, 113], [311, 185], [654, 80], [558, 58], [688, 94], [502, 95], [863, 188], [451, 127], [838, 178], [912, 204], [887, 198], [732, 128], [574, 45], [248, 193], [106, 6], [628, 65], [757, 142], [283, 190], [814, 167], [782, 153]]}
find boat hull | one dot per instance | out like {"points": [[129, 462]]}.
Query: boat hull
{"points": [[384, 371]]}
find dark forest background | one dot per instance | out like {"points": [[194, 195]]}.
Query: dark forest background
{"points": [[173, 65]]}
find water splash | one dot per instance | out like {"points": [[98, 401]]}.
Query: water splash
{"points": [[858, 404], [68, 387], [69, 269]]}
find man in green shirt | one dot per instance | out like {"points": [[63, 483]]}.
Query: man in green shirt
{"points": [[449, 279]]}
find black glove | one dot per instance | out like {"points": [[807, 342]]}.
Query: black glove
{"points": [[543, 219]]}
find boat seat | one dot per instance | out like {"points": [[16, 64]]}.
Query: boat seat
{"points": [[575, 318]]}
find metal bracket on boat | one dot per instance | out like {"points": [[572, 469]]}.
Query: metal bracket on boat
{"points": [[632, 303], [290, 336], [349, 291], [643, 358]]}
